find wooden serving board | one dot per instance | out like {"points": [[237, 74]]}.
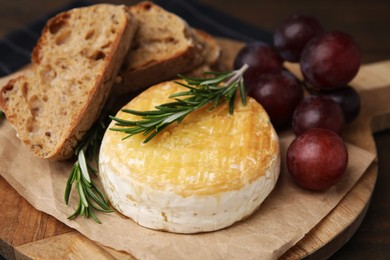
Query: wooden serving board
{"points": [[28, 233]]}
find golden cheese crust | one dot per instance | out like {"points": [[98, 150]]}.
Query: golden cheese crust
{"points": [[210, 152]]}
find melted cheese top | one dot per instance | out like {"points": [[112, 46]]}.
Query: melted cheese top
{"points": [[209, 152]]}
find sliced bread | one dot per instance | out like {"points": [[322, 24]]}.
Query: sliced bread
{"points": [[74, 65], [211, 52], [164, 46]]}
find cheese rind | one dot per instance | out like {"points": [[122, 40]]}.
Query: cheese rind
{"points": [[204, 174]]}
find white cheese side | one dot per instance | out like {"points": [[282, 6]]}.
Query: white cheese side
{"points": [[168, 211]]}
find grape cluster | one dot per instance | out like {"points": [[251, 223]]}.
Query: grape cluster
{"points": [[317, 158]]}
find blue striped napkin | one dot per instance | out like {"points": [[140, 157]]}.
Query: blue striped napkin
{"points": [[16, 46]]}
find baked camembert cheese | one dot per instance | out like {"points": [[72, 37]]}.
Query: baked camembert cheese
{"points": [[204, 174]]}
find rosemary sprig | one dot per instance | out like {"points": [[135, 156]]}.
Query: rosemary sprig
{"points": [[221, 87], [91, 198]]}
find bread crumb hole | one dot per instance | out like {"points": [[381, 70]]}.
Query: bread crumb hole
{"points": [[9, 87], [113, 31], [25, 90], [34, 105], [99, 55], [48, 74], [62, 38], [56, 26], [147, 6], [30, 124], [171, 40], [106, 45], [45, 98], [35, 111], [114, 20], [89, 35], [37, 147], [48, 134]]}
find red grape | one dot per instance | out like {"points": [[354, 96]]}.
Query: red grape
{"points": [[318, 111], [348, 99], [279, 93], [330, 60], [317, 159], [293, 34], [260, 57]]}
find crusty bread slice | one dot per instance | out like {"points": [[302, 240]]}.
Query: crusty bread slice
{"points": [[164, 46], [211, 51], [74, 65]]}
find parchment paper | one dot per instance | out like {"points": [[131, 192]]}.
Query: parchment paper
{"points": [[283, 219]]}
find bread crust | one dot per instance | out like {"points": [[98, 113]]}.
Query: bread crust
{"points": [[211, 52], [39, 136], [134, 75]]}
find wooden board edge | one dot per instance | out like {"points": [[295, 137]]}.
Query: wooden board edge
{"points": [[321, 242], [6, 250], [72, 245]]}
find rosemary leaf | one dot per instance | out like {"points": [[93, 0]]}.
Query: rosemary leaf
{"points": [[186, 85], [76, 212], [98, 200], [69, 185], [122, 121], [82, 210], [242, 91], [180, 94], [150, 137], [93, 216], [231, 103], [90, 197], [150, 123], [222, 87], [174, 117], [83, 165], [141, 113], [101, 195], [91, 169], [216, 80], [80, 189]]}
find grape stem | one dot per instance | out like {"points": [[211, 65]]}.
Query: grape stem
{"points": [[308, 87]]}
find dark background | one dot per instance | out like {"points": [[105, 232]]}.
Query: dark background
{"points": [[367, 21]]}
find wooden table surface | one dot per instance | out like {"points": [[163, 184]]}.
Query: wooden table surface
{"points": [[368, 21]]}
